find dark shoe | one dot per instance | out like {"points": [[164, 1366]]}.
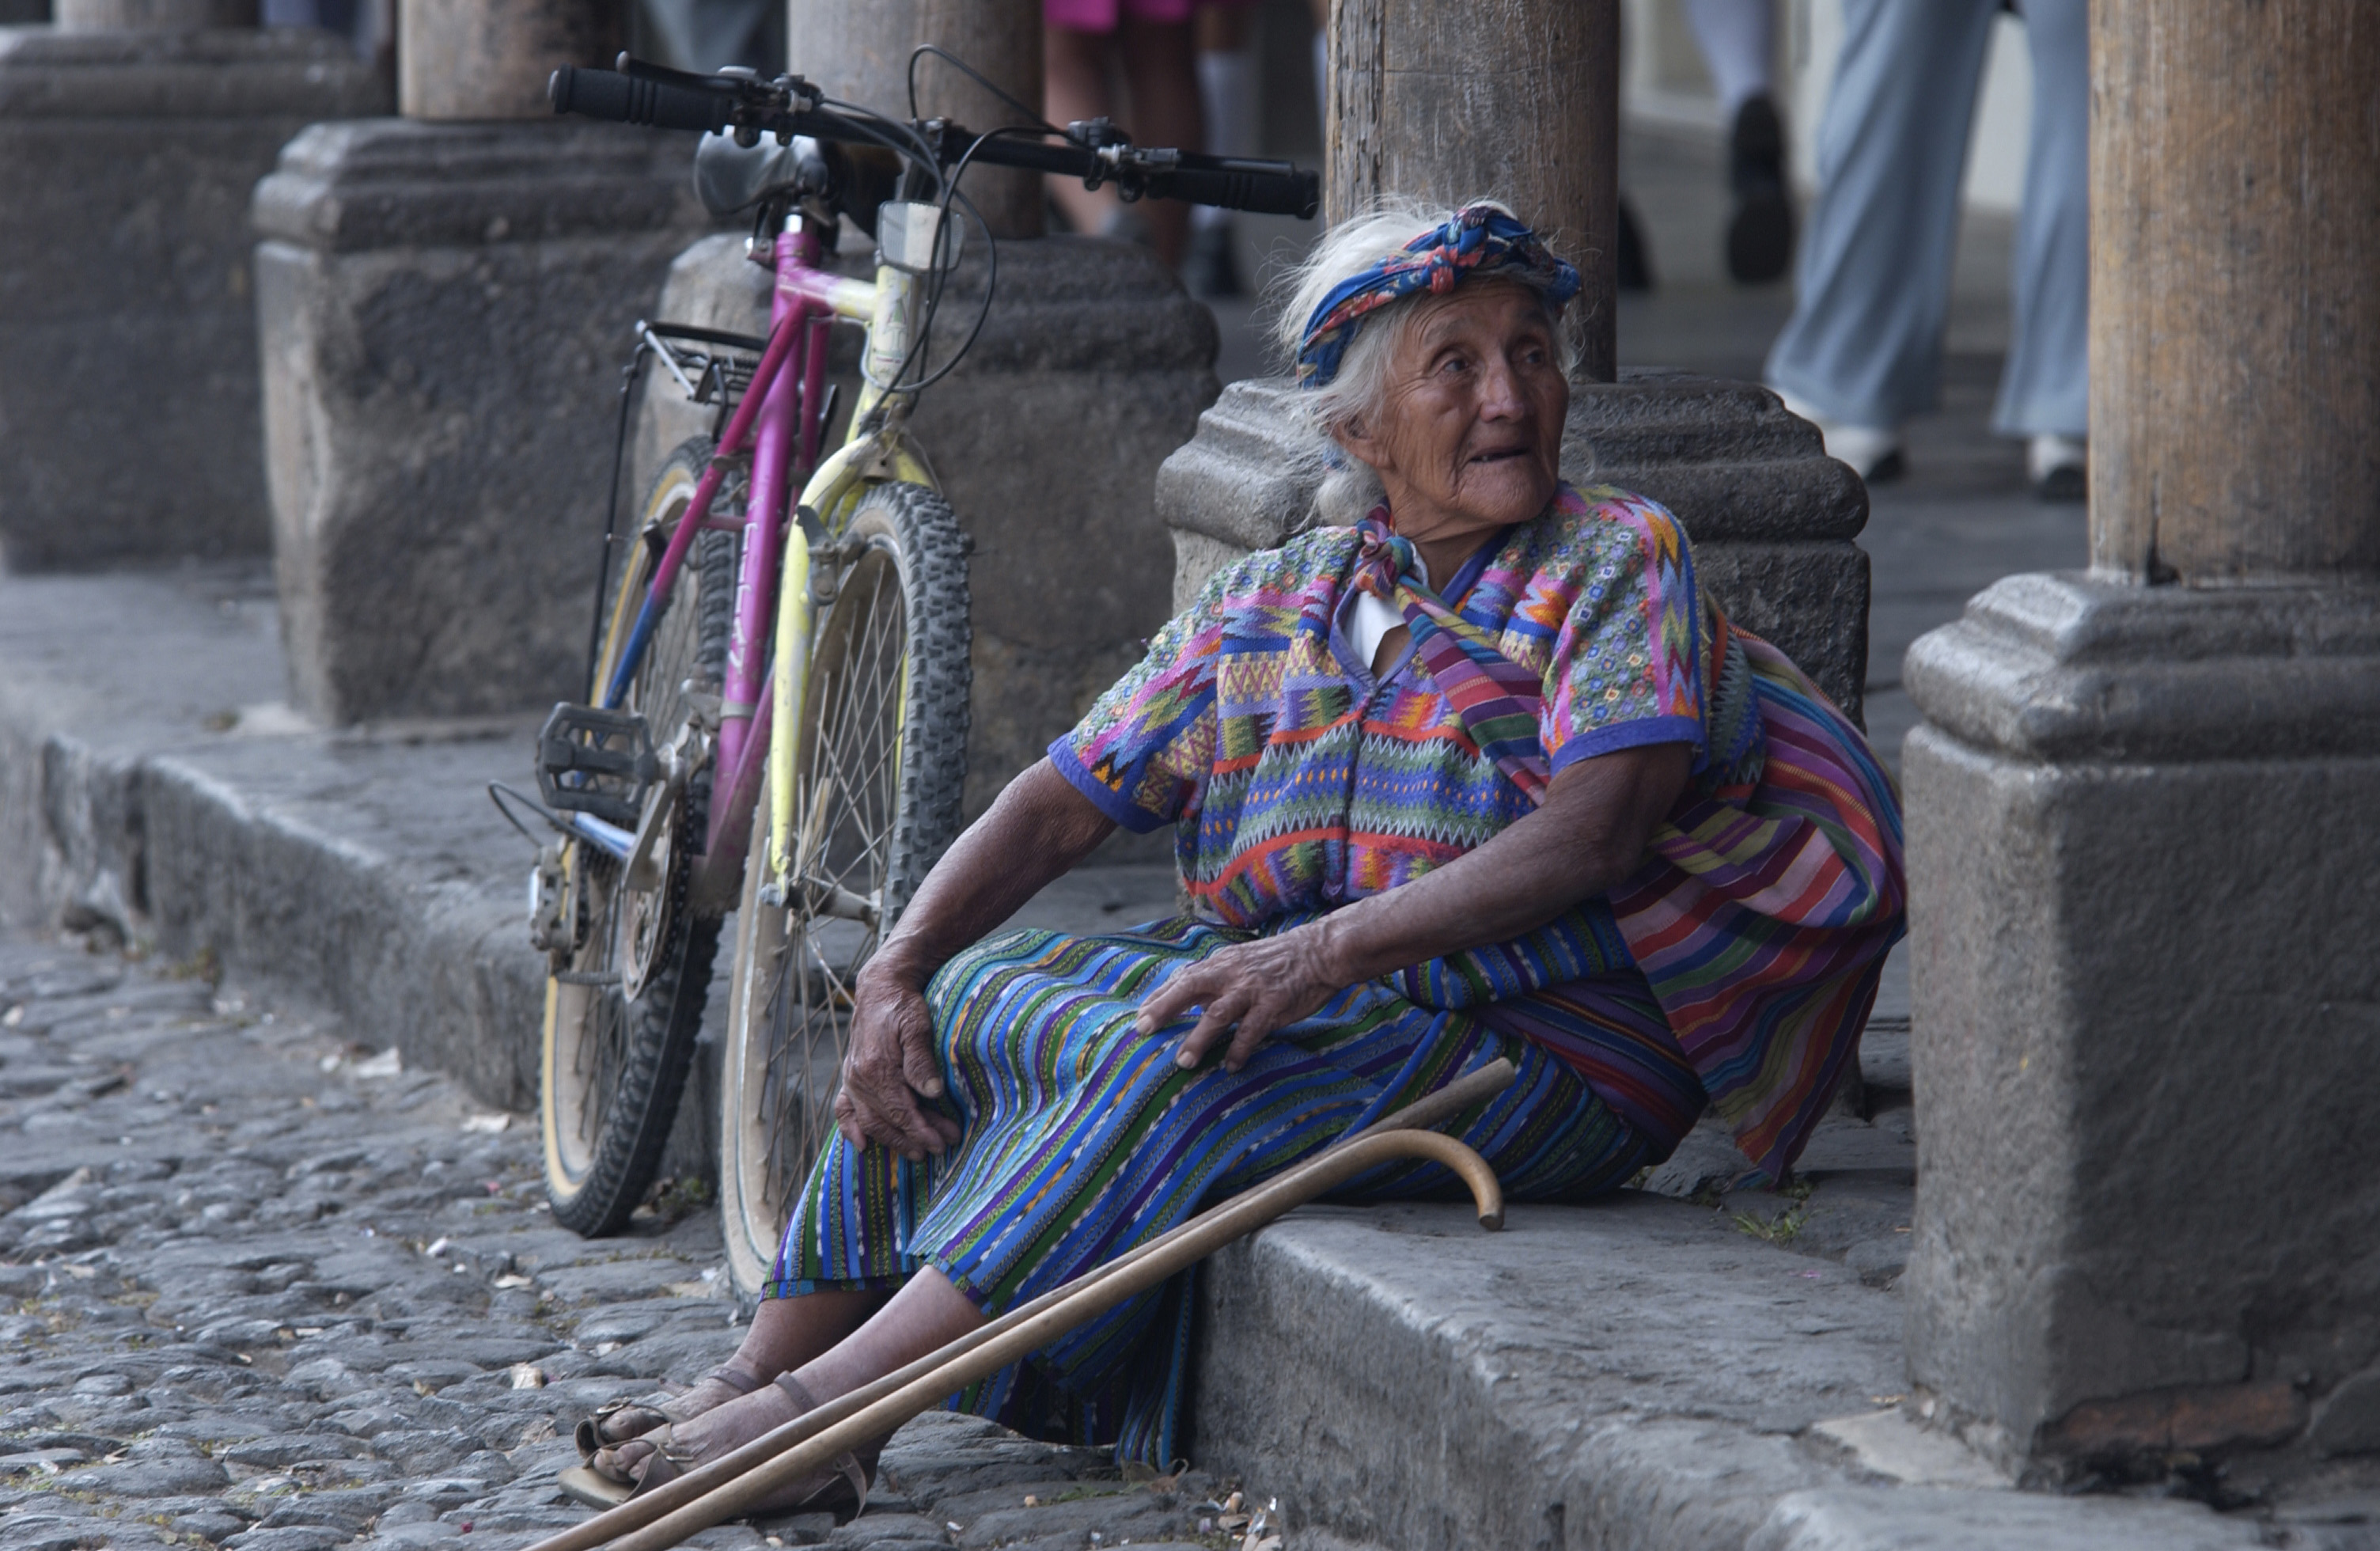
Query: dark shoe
{"points": [[1635, 266], [1214, 265], [1760, 236]]}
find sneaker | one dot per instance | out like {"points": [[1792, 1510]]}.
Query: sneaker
{"points": [[1760, 236], [2058, 466], [1874, 452], [1214, 264]]}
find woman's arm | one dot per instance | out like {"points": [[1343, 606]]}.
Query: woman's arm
{"points": [[1037, 830], [1584, 840]]}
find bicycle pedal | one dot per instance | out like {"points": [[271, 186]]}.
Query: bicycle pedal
{"points": [[596, 762]]}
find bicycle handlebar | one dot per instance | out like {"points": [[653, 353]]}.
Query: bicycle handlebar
{"points": [[631, 99], [671, 100]]}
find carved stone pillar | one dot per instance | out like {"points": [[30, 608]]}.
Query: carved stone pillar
{"points": [[444, 300], [858, 50], [2144, 876], [130, 134]]}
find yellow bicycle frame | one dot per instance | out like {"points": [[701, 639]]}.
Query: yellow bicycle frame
{"points": [[872, 456]]}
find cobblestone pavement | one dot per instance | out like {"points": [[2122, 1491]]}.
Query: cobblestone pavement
{"points": [[262, 1290]]}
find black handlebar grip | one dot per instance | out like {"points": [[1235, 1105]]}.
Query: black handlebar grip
{"points": [[628, 99], [1266, 193]]}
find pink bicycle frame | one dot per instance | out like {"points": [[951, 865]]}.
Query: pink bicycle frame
{"points": [[782, 419]]}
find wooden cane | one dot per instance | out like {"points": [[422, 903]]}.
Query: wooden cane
{"points": [[726, 1486]]}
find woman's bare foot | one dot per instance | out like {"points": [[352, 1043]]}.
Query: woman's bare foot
{"points": [[623, 1420], [679, 1446]]}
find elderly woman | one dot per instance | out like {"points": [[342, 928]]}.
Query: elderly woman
{"points": [[1485, 773]]}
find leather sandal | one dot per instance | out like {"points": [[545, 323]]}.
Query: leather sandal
{"points": [[606, 1480], [617, 1421]]}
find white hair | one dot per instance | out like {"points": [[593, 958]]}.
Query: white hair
{"points": [[1352, 488]]}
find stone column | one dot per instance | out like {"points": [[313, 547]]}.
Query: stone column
{"points": [[468, 59], [1514, 99], [130, 134], [2144, 867], [444, 301], [859, 52]]}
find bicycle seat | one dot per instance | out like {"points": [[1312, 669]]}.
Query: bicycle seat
{"points": [[729, 177]]}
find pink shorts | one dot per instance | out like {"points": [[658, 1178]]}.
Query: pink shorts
{"points": [[1100, 16]]}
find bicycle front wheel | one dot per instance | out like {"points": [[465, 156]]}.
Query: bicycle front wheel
{"points": [[624, 1004], [880, 760]]}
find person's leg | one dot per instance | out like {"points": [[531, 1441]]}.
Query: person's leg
{"points": [[1074, 86], [1227, 94], [2045, 388], [1739, 46], [1863, 351], [1160, 71], [925, 1316]]}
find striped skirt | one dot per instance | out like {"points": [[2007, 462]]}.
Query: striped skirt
{"points": [[1080, 1139]]}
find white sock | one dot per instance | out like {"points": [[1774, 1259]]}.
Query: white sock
{"points": [[1227, 90], [1738, 40]]}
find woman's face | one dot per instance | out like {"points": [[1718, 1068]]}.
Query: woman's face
{"points": [[1467, 437]]}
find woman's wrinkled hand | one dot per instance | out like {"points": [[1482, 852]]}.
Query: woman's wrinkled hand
{"points": [[1247, 991], [890, 1076]]}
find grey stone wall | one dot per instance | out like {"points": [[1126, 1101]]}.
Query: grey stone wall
{"points": [[443, 309], [128, 342], [1771, 516]]}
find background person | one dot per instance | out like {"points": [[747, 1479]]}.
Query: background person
{"points": [[1739, 46], [1084, 44], [1863, 351]]}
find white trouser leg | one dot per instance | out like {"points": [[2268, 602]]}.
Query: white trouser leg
{"points": [[1863, 346]]}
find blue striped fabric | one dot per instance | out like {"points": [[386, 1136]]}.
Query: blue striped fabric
{"points": [[1082, 1139]]}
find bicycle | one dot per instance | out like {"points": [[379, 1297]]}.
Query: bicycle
{"points": [[777, 709]]}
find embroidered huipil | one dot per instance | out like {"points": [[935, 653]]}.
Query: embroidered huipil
{"points": [[1296, 782]]}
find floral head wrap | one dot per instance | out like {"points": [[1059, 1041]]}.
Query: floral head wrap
{"points": [[1476, 239]]}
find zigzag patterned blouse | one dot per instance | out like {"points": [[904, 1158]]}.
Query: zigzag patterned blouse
{"points": [[1297, 780]]}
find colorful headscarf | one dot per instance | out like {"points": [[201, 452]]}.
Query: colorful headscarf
{"points": [[1476, 239]]}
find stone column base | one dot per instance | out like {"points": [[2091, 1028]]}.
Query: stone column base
{"points": [[127, 339], [1092, 367], [2145, 880], [1771, 516], [444, 311]]}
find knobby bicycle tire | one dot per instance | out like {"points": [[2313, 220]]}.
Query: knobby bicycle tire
{"points": [[789, 1001], [627, 1059]]}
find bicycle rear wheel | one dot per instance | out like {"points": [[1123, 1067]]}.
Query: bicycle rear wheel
{"points": [[882, 758], [623, 1005]]}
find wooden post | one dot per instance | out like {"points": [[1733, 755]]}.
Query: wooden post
{"points": [[489, 59], [2235, 323], [858, 50], [1513, 100]]}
